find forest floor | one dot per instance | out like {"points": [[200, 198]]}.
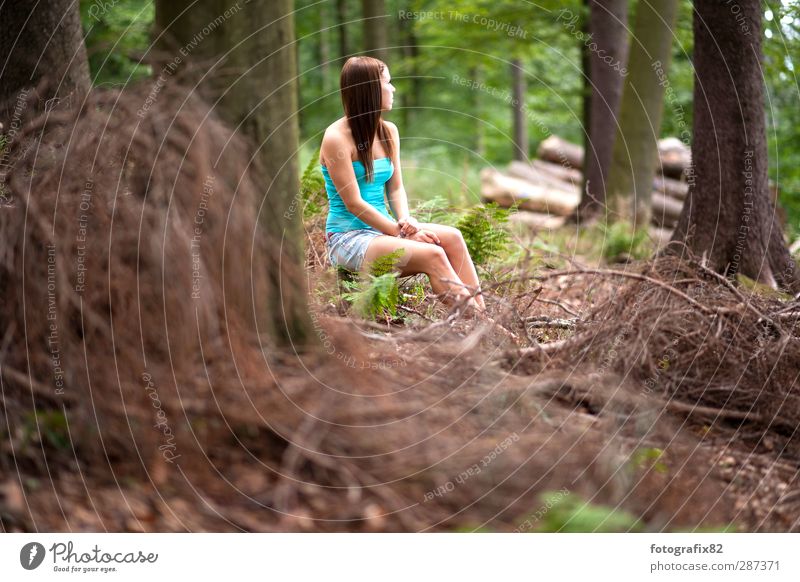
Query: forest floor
{"points": [[567, 412]]}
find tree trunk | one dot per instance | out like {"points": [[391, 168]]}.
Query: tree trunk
{"points": [[41, 39], [341, 18], [252, 79], [520, 122], [586, 96], [630, 180], [411, 94], [375, 32], [476, 74], [728, 217], [324, 47], [608, 27]]}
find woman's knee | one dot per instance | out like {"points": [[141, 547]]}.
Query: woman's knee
{"points": [[436, 257], [427, 258], [450, 236]]}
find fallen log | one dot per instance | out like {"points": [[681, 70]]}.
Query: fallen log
{"points": [[507, 190], [666, 210], [660, 236], [537, 220], [559, 151], [563, 173], [672, 188], [536, 174], [675, 157]]}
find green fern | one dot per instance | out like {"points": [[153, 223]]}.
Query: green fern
{"points": [[620, 239], [386, 263], [436, 210], [312, 188], [484, 231], [379, 299], [571, 514]]}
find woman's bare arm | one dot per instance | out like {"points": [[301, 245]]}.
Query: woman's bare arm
{"points": [[336, 157]]}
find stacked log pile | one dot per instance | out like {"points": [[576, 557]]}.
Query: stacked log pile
{"points": [[548, 189]]}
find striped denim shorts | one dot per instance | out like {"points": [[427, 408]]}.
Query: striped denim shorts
{"points": [[347, 249]]}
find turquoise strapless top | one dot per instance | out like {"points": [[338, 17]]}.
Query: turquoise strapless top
{"points": [[340, 219]]}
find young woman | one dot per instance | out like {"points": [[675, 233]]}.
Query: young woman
{"points": [[360, 159]]}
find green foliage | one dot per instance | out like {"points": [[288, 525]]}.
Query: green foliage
{"points": [[379, 296], [436, 210], [379, 299], [571, 514], [386, 263], [484, 231], [781, 47], [620, 239], [645, 458], [755, 288], [117, 33], [312, 188], [413, 294]]}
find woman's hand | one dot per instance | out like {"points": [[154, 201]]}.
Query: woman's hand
{"points": [[426, 236], [408, 226]]}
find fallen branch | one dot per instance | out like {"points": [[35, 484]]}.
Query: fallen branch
{"points": [[615, 273]]}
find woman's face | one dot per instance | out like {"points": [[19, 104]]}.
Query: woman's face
{"points": [[387, 90]]}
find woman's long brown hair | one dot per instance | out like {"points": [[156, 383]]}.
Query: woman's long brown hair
{"points": [[361, 97]]}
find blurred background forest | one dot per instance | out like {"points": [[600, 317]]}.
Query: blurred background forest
{"points": [[450, 131]]}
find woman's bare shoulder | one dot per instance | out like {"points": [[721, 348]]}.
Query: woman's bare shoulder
{"points": [[335, 140]]}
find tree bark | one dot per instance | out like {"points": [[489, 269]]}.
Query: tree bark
{"points": [[608, 26], [520, 122], [728, 217], [252, 80], [635, 151], [376, 36], [41, 40]]}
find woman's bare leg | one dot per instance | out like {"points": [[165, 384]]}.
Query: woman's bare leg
{"points": [[421, 257], [458, 255]]}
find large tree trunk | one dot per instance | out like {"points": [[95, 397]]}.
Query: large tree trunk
{"points": [[376, 37], [608, 26], [252, 77], [728, 217], [41, 39], [635, 151], [520, 122]]}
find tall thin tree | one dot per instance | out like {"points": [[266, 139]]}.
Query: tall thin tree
{"points": [[520, 122], [376, 34], [608, 27], [630, 180], [342, 18]]}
